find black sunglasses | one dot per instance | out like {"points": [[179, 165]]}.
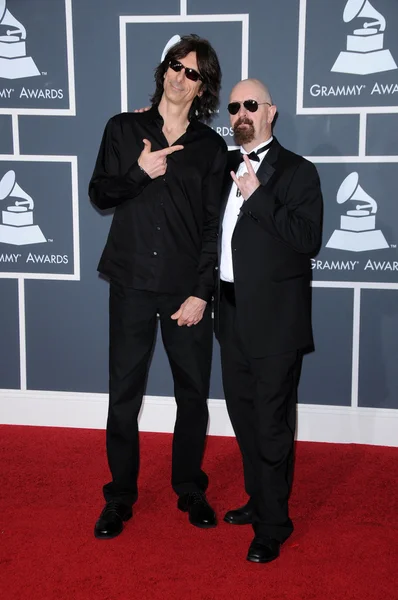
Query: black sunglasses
{"points": [[250, 105], [189, 73]]}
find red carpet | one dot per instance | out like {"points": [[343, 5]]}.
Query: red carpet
{"points": [[344, 505]]}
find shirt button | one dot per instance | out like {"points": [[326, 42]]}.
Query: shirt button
{"points": [[154, 253], [158, 228]]}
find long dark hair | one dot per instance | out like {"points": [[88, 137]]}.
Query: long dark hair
{"points": [[205, 105]]}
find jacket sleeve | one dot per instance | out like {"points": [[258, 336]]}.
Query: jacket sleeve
{"points": [[296, 219], [211, 200], [108, 187]]}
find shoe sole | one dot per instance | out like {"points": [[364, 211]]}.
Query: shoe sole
{"points": [[259, 561], [99, 536], [210, 526]]}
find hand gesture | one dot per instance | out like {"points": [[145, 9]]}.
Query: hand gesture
{"points": [[155, 163], [190, 312], [247, 183]]}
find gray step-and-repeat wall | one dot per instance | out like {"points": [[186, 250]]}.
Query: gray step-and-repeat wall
{"points": [[66, 66]]}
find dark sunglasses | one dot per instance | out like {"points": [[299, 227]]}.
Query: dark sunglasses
{"points": [[250, 105], [189, 73]]}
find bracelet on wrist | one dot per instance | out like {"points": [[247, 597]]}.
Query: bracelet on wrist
{"points": [[142, 170]]}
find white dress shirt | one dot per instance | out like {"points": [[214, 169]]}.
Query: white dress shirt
{"points": [[231, 215]]}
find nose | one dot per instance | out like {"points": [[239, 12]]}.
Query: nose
{"points": [[242, 112], [180, 75]]}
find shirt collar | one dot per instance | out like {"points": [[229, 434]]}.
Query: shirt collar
{"points": [[243, 151], [153, 115]]}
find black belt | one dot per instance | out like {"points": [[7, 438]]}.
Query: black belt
{"points": [[228, 291]]}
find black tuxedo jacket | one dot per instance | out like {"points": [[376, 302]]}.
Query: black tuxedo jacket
{"points": [[277, 232]]}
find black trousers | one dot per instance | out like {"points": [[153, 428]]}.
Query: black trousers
{"points": [[261, 397], [133, 324]]}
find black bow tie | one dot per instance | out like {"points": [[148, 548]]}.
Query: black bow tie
{"points": [[254, 155]]}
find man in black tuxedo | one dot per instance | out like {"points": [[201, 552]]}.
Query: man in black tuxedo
{"points": [[163, 171], [270, 226]]}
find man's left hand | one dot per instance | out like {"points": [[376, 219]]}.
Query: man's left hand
{"points": [[190, 312], [247, 183]]}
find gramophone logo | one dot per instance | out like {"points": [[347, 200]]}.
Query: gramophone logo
{"points": [[357, 231], [14, 62], [16, 225], [365, 52]]}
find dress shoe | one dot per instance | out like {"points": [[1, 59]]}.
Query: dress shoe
{"points": [[240, 516], [110, 522], [200, 512], [263, 550]]}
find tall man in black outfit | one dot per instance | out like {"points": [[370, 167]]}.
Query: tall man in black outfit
{"points": [[162, 170], [270, 226]]}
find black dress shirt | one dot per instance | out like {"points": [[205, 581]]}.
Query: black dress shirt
{"points": [[163, 236]]}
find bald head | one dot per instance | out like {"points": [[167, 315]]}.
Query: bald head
{"points": [[252, 88], [252, 124]]}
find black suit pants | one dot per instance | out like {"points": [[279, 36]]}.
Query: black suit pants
{"points": [[261, 396], [133, 321]]}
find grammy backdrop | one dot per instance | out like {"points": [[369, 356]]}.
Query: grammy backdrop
{"points": [[66, 66]]}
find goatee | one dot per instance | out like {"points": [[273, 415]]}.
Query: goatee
{"points": [[243, 135]]}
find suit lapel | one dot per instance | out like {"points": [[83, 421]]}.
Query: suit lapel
{"points": [[266, 169], [265, 172]]}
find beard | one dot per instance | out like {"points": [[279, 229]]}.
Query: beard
{"points": [[243, 135]]}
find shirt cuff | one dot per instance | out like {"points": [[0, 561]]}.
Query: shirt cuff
{"points": [[202, 292], [138, 175]]}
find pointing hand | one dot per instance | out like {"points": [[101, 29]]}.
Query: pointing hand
{"points": [[155, 163]]}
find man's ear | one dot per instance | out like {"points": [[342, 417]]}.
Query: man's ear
{"points": [[201, 90], [271, 113]]}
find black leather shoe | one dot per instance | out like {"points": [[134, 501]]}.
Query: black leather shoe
{"points": [[240, 516], [110, 522], [200, 512], [263, 550]]}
